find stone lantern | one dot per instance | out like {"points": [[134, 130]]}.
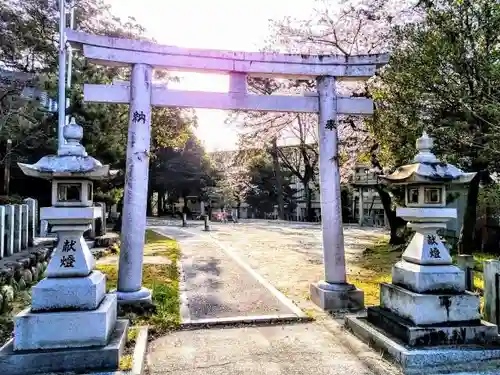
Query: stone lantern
{"points": [[426, 305], [425, 182], [70, 308]]}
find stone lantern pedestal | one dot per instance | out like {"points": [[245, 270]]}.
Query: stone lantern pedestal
{"points": [[426, 318], [72, 323]]}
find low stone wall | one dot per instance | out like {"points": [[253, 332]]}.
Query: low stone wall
{"points": [[20, 272], [99, 253], [107, 240]]}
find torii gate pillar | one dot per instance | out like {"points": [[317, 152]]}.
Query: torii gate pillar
{"points": [[332, 293], [129, 288]]}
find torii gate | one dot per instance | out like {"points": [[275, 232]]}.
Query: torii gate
{"points": [[332, 293]]}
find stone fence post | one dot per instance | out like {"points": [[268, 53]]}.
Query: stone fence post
{"points": [[491, 288], [466, 263], [44, 228], [3, 252], [9, 230], [24, 226], [32, 219], [18, 223], [103, 218]]}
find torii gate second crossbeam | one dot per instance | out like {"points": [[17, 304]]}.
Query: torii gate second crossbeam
{"points": [[331, 294]]}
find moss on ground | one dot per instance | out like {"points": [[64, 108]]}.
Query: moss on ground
{"points": [[158, 245], [126, 362], [161, 279]]}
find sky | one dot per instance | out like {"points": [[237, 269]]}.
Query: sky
{"points": [[212, 24]]}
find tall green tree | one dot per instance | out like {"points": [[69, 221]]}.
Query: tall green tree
{"points": [[180, 172], [262, 194], [444, 77], [29, 42]]}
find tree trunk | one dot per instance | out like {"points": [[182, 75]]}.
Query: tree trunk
{"points": [[309, 209], [466, 241], [238, 208], [185, 205], [149, 209], [395, 222], [161, 203], [279, 183], [7, 164]]}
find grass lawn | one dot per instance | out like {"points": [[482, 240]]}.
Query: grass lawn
{"points": [[375, 266], [161, 279]]}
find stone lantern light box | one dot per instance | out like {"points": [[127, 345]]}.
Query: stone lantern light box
{"points": [[72, 193], [425, 196]]}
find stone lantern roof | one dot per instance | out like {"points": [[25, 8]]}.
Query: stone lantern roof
{"points": [[71, 162], [426, 168]]}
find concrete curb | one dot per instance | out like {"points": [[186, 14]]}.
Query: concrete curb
{"points": [[364, 352], [247, 320], [183, 298], [139, 356]]}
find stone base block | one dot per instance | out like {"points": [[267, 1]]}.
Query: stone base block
{"points": [[75, 293], [413, 335], [428, 279], [72, 257], [425, 246], [428, 309], [65, 329], [140, 296], [463, 359], [341, 299], [76, 360]]}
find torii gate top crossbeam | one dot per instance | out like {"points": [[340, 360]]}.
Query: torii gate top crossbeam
{"points": [[118, 52]]}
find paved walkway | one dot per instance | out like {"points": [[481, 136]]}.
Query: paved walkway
{"points": [[228, 272], [300, 349], [216, 286]]}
